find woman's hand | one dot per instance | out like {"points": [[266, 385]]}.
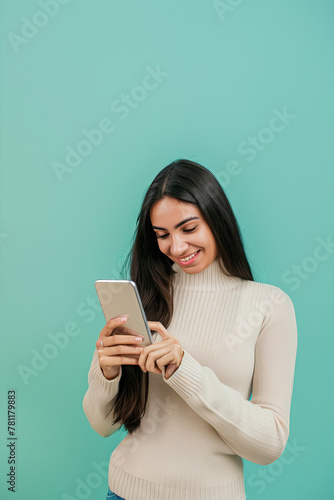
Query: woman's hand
{"points": [[164, 354], [117, 345]]}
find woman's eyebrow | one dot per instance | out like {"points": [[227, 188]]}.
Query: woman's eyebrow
{"points": [[177, 225]]}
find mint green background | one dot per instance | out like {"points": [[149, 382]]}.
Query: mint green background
{"points": [[225, 76]]}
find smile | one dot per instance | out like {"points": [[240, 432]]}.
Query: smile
{"points": [[190, 258]]}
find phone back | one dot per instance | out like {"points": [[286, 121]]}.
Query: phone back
{"points": [[119, 297]]}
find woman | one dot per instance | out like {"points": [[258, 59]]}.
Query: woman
{"points": [[222, 338]]}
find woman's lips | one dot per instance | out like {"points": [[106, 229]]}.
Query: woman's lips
{"points": [[190, 261]]}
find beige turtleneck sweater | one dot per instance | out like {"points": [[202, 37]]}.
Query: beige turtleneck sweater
{"points": [[240, 340]]}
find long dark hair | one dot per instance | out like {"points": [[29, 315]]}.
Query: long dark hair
{"points": [[152, 271]]}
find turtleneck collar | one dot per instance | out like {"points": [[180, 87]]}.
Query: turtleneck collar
{"points": [[211, 278]]}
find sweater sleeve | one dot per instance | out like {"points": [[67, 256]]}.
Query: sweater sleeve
{"points": [[256, 430], [100, 398]]}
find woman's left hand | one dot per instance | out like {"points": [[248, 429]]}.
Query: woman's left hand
{"points": [[166, 353]]}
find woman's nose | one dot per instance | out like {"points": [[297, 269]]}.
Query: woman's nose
{"points": [[178, 246]]}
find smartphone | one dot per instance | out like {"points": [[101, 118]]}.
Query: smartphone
{"points": [[119, 297]]}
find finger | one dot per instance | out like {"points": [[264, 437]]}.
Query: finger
{"points": [[156, 370], [155, 348], [109, 362], [122, 340], [113, 323], [118, 340], [143, 366], [160, 345], [157, 326], [142, 360], [121, 350], [154, 357], [147, 358], [165, 360]]}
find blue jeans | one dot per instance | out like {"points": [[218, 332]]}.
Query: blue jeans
{"points": [[113, 496]]}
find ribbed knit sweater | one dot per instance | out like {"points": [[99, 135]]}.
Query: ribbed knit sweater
{"points": [[240, 341]]}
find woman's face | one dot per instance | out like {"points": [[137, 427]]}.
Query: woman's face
{"points": [[179, 237]]}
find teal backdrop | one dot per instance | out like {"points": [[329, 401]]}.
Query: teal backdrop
{"points": [[98, 97]]}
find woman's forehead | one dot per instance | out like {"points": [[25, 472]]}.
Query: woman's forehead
{"points": [[170, 208]]}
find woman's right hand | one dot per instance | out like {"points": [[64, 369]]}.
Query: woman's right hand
{"points": [[117, 345]]}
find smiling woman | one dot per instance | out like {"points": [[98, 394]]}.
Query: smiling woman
{"points": [[185, 399], [189, 241]]}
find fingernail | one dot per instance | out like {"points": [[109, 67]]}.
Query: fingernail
{"points": [[124, 318], [139, 339]]}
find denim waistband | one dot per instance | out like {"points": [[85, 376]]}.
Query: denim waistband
{"points": [[112, 496]]}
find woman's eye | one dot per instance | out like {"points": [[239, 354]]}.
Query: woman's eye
{"points": [[184, 230]]}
